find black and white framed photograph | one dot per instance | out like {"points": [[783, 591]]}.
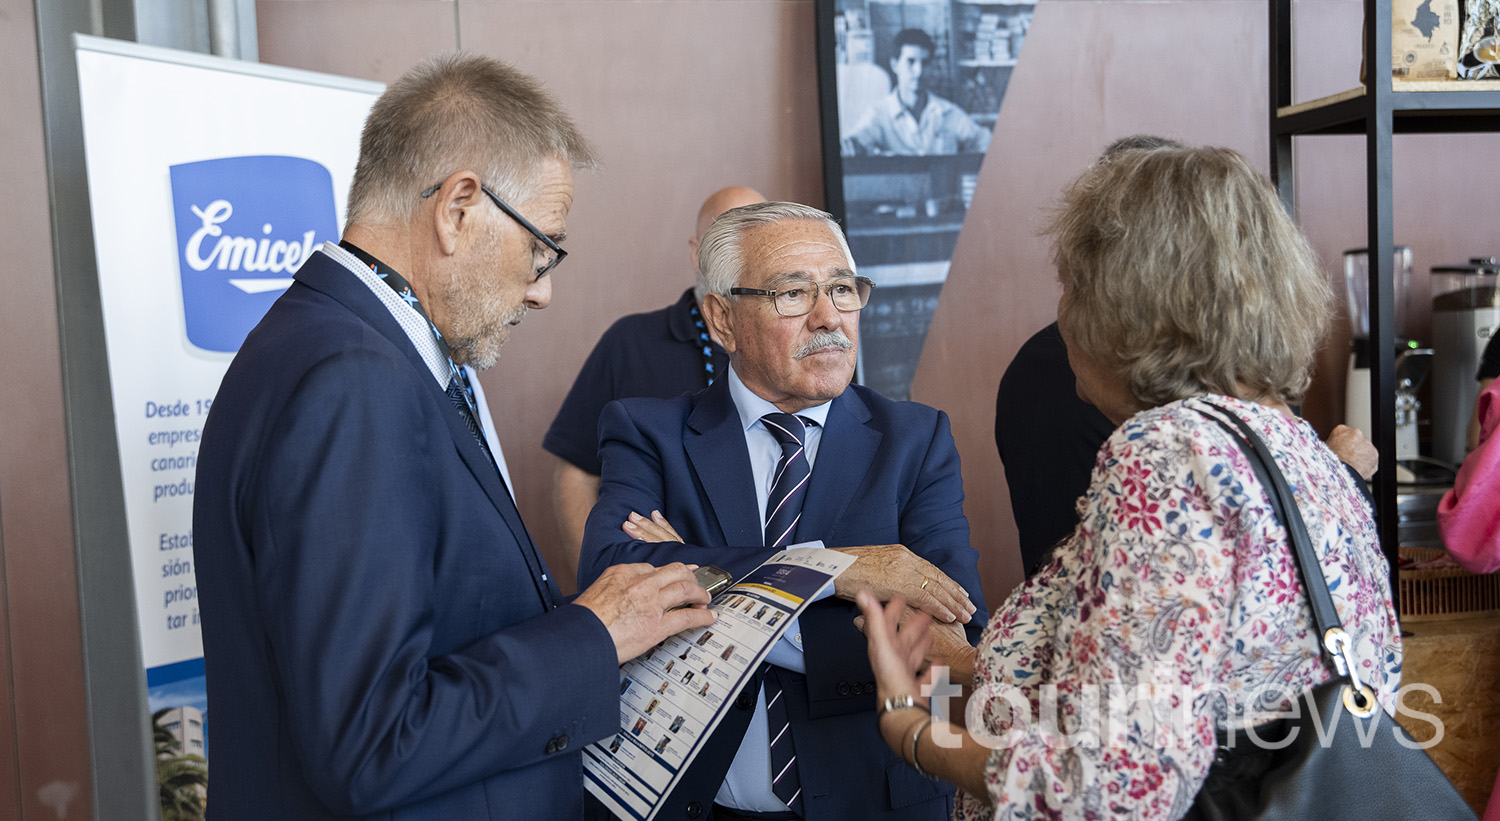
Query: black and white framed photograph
{"points": [[911, 93]]}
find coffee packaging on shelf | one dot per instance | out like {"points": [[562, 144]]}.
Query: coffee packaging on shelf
{"points": [[1424, 39]]}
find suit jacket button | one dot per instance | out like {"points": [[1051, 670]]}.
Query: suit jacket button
{"points": [[870, 687], [745, 700], [694, 810], [561, 743], [843, 688]]}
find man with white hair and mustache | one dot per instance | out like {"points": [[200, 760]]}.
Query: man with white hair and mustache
{"points": [[781, 452]]}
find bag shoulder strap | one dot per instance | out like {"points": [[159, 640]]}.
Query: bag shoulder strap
{"points": [[1359, 698]]}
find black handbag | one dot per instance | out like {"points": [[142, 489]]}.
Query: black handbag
{"points": [[1251, 778]]}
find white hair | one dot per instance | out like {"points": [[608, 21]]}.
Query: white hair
{"points": [[721, 261]]}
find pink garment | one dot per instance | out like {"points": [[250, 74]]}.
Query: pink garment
{"points": [[1492, 813], [1469, 515]]}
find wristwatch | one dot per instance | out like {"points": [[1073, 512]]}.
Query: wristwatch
{"points": [[895, 703]]}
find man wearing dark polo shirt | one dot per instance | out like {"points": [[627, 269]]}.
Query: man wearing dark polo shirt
{"points": [[661, 354]]}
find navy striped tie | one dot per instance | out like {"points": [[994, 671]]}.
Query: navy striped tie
{"points": [[784, 505], [785, 783], [783, 511]]}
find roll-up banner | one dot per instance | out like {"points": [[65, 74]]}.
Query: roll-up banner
{"points": [[210, 181]]}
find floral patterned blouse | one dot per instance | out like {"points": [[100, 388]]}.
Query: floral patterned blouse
{"points": [[1173, 610]]}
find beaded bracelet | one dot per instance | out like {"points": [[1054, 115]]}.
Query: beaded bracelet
{"points": [[921, 728]]}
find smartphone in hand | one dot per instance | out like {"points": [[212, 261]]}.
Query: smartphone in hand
{"points": [[712, 579]]}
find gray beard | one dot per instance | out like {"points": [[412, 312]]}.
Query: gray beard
{"points": [[480, 350]]}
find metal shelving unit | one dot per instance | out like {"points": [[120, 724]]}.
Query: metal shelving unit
{"points": [[1379, 110]]}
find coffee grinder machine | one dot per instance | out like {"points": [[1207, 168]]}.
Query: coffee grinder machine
{"points": [[1411, 368], [1465, 314]]}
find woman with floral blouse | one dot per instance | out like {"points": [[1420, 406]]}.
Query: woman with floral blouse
{"points": [[1175, 609]]}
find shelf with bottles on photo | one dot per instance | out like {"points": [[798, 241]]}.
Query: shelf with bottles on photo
{"points": [[987, 39]]}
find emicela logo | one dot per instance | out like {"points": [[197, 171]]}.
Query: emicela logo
{"points": [[244, 226]]}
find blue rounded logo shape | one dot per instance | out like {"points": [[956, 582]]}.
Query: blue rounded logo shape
{"points": [[244, 226]]}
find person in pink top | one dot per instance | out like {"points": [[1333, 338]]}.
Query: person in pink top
{"points": [[1469, 514]]}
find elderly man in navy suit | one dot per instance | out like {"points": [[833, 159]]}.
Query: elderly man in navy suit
{"points": [[784, 451], [381, 637]]}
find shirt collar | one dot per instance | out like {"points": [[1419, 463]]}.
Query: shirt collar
{"points": [[897, 109], [416, 326], [752, 407]]}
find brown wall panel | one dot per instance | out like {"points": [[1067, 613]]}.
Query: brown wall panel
{"points": [[368, 39], [1141, 75], [44, 754], [1148, 68]]}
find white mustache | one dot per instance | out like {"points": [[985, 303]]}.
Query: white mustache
{"points": [[826, 339]]}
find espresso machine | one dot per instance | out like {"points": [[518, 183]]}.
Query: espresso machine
{"points": [[1465, 314], [1357, 382]]}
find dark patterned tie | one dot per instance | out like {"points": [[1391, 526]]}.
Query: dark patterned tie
{"points": [[462, 397], [784, 505], [785, 783], [783, 511]]}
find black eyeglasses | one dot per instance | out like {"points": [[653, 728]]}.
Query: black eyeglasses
{"points": [[797, 297], [551, 254]]}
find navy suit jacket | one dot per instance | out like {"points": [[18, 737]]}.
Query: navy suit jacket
{"points": [[378, 627], [886, 473]]}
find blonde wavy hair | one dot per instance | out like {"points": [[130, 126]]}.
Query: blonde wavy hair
{"points": [[1182, 270]]}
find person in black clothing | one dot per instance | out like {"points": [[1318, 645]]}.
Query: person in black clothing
{"points": [[1047, 438], [1489, 363], [1489, 368], [1046, 435], [661, 354]]}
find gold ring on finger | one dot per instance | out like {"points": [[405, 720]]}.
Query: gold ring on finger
{"points": [[924, 583]]}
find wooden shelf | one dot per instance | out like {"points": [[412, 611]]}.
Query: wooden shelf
{"points": [[1416, 108], [1445, 86]]}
